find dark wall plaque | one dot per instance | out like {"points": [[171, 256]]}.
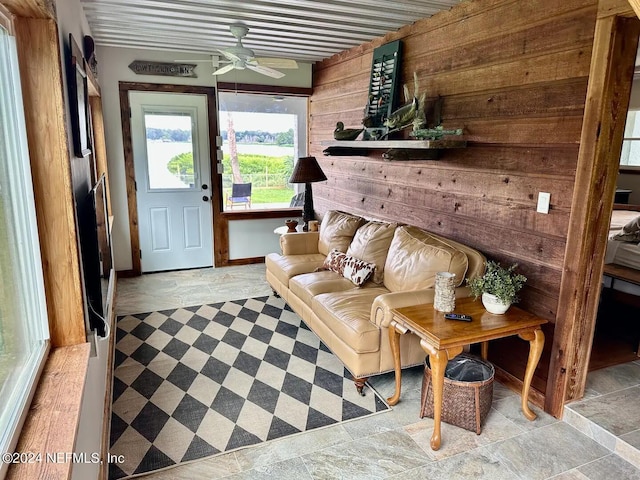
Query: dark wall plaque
{"points": [[141, 67]]}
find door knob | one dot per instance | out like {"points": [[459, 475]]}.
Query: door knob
{"points": [[205, 198], [205, 186]]}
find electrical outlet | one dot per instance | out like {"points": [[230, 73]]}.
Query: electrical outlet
{"points": [[544, 199]]}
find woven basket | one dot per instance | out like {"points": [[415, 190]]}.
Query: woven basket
{"points": [[464, 404]]}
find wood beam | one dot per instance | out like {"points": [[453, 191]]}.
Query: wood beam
{"points": [[610, 80], [44, 110], [621, 8], [32, 8], [635, 4]]}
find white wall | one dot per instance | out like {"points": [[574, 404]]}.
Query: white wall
{"points": [[113, 68], [254, 238]]}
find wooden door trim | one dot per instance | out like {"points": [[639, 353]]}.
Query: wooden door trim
{"points": [[608, 91], [220, 240]]}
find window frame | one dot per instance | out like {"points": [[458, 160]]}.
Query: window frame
{"points": [[630, 169], [31, 278], [271, 90]]}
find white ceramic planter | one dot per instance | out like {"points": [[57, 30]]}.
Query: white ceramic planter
{"points": [[493, 304]]}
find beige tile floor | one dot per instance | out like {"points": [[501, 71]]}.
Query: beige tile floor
{"points": [[395, 444]]}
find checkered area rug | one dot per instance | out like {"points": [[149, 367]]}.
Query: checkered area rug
{"points": [[193, 382]]}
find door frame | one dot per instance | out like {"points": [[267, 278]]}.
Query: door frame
{"points": [[220, 237], [607, 100]]}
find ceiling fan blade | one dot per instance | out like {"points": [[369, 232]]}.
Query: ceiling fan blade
{"points": [[230, 56], [276, 62], [270, 72], [225, 69]]}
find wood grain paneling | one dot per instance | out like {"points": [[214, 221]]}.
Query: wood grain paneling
{"points": [[42, 89], [514, 76]]}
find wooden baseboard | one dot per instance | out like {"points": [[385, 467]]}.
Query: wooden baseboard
{"points": [[515, 384], [127, 273], [245, 261]]}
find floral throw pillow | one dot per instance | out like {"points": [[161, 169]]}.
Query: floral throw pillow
{"points": [[351, 268]]}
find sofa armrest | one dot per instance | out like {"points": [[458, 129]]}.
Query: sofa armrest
{"points": [[383, 304], [299, 243]]}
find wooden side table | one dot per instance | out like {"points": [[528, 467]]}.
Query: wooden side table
{"points": [[443, 339]]}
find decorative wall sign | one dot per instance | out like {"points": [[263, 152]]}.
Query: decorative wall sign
{"points": [[142, 67]]}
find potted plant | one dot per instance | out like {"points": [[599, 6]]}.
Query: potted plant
{"points": [[498, 287]]}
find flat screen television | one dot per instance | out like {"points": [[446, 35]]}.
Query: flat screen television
{"points": [[95, 245]]}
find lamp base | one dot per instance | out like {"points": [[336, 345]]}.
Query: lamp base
{"points": [[307, 212]]}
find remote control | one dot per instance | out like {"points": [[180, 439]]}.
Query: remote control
{"points": [[457, 316]]}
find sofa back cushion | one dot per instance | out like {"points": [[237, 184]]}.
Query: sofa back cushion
{"points": [[371, 244], [414, 258], [337, 231]]}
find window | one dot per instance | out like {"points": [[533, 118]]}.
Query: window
{"points": [[170, 140], [23, 317], [263, 135], [630, 155]]}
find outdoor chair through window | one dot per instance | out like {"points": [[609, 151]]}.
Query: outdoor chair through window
{"points": [[240, 195]]}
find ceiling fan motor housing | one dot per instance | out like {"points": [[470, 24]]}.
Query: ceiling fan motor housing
{"points": [[239, 31]]}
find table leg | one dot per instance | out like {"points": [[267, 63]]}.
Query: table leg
{"points": [[536, 344], [484, 350], [438, 360], [394, 341], [438, 365]]}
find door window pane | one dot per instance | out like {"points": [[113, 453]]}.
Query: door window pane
{"points": [[170, 150]]}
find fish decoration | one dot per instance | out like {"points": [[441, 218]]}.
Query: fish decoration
{"points": [[341, 133], [410, 114]]}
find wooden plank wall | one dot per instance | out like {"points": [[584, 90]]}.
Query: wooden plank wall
{"points": [[514, 75]]}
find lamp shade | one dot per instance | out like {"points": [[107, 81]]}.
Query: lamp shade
{"points": [[307, 170]]}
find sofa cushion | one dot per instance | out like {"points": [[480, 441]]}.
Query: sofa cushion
{"points": [[337, 231], [414, 258], [284, 267], [347, 314], [371, 244], [308, 285]]}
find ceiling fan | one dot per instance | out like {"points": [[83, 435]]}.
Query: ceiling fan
{"points": [[239, 58]]}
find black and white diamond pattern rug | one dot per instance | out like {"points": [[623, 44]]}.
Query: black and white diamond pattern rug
{"points": [[196, 381]]}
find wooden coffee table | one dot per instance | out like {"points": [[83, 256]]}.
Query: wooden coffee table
{"points": [[443, 339]]}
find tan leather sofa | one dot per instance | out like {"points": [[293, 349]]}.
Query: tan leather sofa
{"points": [[353, 321]]}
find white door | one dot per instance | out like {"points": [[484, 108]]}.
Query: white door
{"points": [[169, 133]]}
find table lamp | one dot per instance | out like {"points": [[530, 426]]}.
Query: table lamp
{"points": [[307, 171]]}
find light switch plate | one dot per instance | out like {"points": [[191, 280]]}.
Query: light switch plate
{"points": [[544, 199]]}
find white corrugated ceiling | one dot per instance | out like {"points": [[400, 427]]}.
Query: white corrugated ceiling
{"points": [[299, 29]]}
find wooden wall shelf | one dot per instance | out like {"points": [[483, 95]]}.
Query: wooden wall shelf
{"points": [[394, 149]]}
